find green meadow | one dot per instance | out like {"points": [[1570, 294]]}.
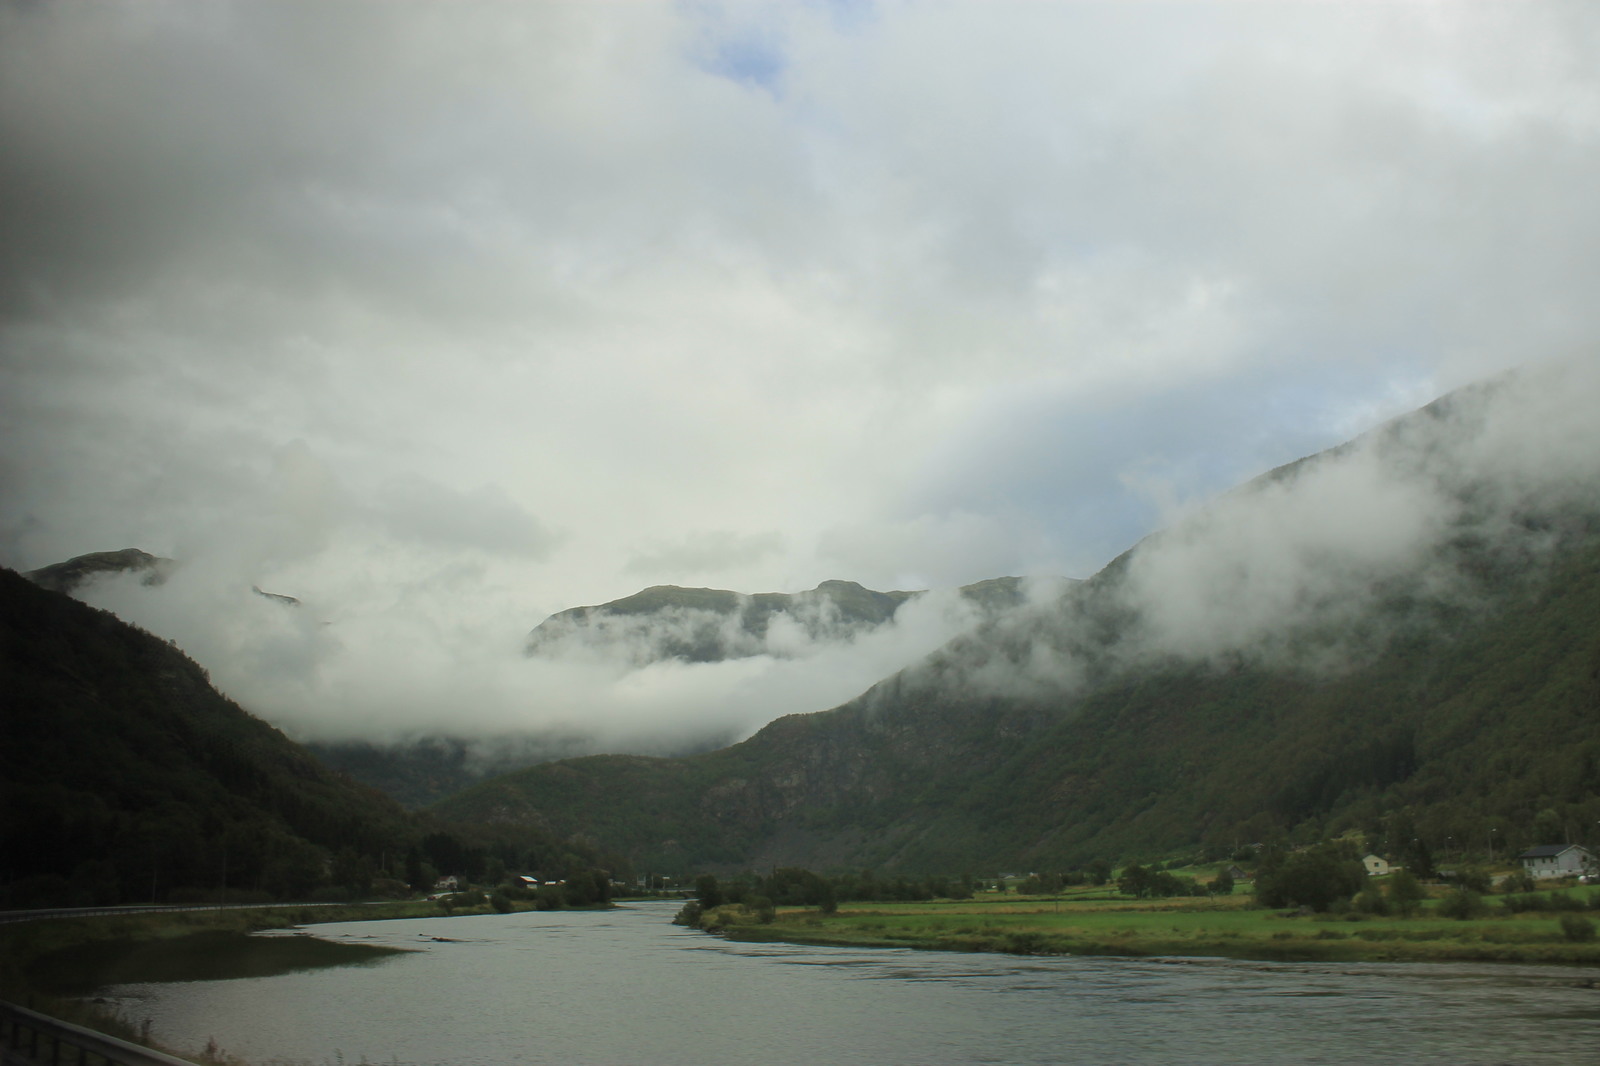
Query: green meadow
{"points": [[1097, 923]]}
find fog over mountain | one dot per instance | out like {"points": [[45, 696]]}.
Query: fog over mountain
{"points": [[443, 319], [434, 665], [1318, 566]]}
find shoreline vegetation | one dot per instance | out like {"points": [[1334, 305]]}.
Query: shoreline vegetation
{"points": [[1549, 927]]}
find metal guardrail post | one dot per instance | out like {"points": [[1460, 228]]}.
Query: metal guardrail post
{"points": [[51, 1042]]}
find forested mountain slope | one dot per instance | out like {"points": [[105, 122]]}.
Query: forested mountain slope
{"points": [[1400, 635], [124, 776]]}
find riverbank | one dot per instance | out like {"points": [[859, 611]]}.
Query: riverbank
{"points": [[52, 964], [1230, 927]]}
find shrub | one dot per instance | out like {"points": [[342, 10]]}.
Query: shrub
{"points": [[1576, 929], [1370, 901], [1404, 892], [1564, 901], [1461, 904], [689, 914], [500, 902]]}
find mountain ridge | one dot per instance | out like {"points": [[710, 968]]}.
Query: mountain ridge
{"points": [[1306, 675]]}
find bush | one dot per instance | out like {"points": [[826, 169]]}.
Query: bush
{"points": [[689, 914], [1461, 904], [1404, 892], [1370, 901], [1474, 879], [1576, 929], [500, 902], [1564, 901], [1518, 904]]}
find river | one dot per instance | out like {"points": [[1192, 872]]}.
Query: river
{"points": [[625, 986]]}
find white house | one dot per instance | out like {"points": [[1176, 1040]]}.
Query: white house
{"points": [[1377, 865], [1557, 860]]}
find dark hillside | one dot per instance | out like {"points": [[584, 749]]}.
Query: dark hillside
{"points": [[125, 771], [125, 777]]}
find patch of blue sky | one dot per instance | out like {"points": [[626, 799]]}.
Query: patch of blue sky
{"points": [[1102, 477], [745, 44], [746, 50]]}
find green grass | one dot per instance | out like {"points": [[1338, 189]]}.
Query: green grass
{"points": [[1227, 927]]}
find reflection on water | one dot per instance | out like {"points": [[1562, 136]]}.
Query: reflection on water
{"points": [[205, 956], [626, 986]]}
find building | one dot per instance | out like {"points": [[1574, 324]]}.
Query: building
{"points": [[1376, 865], [1557, 860]]}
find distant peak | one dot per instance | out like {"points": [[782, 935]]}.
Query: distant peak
{"points": [[66, 576]]}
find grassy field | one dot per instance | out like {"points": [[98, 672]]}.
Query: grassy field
{"points": [[1095, 923]]}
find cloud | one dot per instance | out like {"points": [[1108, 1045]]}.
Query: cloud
{"points": [[1321, 564], [369, 657], [702, 553], [534, 303], [485, 518]]}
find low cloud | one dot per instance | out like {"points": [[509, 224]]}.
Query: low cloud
{"points": [[1320, 564], [486, 518], [442, 653], [703, 553]]}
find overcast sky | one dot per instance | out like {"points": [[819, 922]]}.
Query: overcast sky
{"points": [[489, 310]]}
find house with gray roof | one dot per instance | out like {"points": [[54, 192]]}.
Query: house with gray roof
{"points": [[1557, 860]]}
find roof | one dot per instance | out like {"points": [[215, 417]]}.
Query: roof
{"points": [[1546, 851]]}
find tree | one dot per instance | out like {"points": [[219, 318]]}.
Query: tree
{"points": [[1404, 892], [707, 891], [1222, 884], [1314, 878], [1370, 901], [1136, 881]]}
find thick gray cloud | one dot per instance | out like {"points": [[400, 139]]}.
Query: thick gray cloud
{"points": [[489, 310]]}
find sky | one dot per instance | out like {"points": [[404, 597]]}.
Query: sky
{"points": [[446, 317]]}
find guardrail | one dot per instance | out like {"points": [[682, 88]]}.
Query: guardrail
{"points": [[28, 1038], [155, 908]]}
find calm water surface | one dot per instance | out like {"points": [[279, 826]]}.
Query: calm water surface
{"points": [[626, 986]]}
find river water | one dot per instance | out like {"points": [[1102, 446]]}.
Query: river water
{"points": [[626, 986]]}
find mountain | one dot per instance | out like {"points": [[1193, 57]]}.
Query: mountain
{"points": [[423, 769], [68, 576], [658, 624], [1400, 636], [124, 776], [712, 625]]}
